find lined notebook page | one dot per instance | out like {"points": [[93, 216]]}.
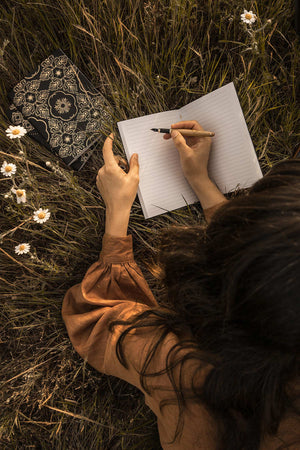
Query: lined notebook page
{"points": [[232, 162], [162, 185]]}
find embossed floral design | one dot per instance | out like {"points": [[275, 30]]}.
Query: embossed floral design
{"points": [[18, 119], [92, 111], [60, 74], [71, 143], [65, 108], [62, 105], [31, 99]]}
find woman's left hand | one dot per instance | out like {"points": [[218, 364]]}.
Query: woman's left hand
{"points": [[117, 188]]}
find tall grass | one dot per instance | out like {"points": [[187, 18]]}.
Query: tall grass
{"points": [[145, 57]]}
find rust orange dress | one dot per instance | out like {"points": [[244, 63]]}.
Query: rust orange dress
{"points": [[114, 288]]}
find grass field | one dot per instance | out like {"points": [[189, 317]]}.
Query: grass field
{"points": [[144, 57]]}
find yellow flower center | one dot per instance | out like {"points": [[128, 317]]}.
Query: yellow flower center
{"points": [[8, 169], [22, 247], [19, 193], [41, 215], [248, 16], [15, 131]]}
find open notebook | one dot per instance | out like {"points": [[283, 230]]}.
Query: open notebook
{"points": [[232, 164]]}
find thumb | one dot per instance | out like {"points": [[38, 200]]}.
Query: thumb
{"points": [[179, 141], [134, 165]]}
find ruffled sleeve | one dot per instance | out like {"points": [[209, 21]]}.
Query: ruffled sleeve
{"points": [[112, 288]]}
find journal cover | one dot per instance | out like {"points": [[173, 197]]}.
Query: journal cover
{"points": [[17, 118], [61, 109]]}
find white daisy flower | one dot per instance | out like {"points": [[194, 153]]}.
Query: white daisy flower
{"points": [[20, 194], [248, 17], [15, 132], [22, 248], [8, 169], [41, 215]]}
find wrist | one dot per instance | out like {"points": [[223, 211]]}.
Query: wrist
{"points": [[207, 192], [201, 182], [116, 222]]}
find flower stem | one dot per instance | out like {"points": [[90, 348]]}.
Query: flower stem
{"points": [[11, 231], [21, 159]]}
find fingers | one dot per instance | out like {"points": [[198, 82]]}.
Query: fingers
{"points": [[134, 165], [121, 163], [179, 142], [190, 124], [98, 177], [111, 160], [107, 151]]}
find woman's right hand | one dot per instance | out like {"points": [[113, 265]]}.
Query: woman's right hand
{"points": [[193, 152], [194, 155]]}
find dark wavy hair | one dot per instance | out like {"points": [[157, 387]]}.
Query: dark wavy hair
{"points": [[235, 286]]}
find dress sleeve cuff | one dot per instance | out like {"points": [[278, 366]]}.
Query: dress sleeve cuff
{"points": [[116, 250]]}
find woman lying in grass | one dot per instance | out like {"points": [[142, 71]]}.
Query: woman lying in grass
{"points": [[218, 359]]}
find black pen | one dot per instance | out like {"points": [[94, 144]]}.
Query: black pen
{"points": [[185, 132]]}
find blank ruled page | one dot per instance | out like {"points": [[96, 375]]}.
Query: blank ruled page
{"points": [[162, 185], [233, 162]]}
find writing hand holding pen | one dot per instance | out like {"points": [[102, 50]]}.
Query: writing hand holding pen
{"points": [[194, 154]]}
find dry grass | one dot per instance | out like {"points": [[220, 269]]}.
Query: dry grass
{"points": [[145, 57]]}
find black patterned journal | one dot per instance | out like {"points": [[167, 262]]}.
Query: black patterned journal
{"points": [[61, 109]]}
